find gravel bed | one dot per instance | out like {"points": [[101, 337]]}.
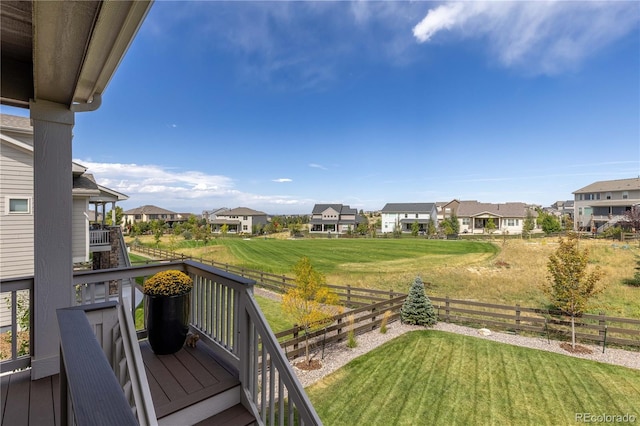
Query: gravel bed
{"points": [[337, 355]]}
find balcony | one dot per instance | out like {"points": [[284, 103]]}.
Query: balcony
{"points": [[237, 373], [99, 239]]}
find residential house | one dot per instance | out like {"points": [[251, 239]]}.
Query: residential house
{"points": [[239, 220], [445, 209], [474, 217], [336, 218], [57, 60], [403, 216], [17, 207], [603, 204], [563, 207], [149, 212], [210, 215]]}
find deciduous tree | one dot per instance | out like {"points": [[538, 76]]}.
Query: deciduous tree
{"points": [[311, 302], [528, 225], [570, 285]]}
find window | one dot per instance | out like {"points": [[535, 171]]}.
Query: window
{"points": [[19, 205], [580, 211], [625, 195], [513, 222], [244, 218], [608, 196], [245, 228], [406, 215], [466, 221], [416, 215]]}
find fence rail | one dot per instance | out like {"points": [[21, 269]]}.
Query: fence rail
{"points": [[600, 328]]}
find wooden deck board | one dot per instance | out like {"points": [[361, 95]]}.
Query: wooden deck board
{"points": [[41, 403], [199, 372], [189, 376], [27, 402], [16, 405], [236, 416]]}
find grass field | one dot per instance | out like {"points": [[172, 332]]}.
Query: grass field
{"points": [[430, 377], [496, 272]]}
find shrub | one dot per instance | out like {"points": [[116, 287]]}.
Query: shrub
{"points": [[351, 336], [168, 283], [383, 323], [417, 308]]}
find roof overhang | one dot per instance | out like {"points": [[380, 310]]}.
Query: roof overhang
{"points": [[64, 51], [108, 195]]}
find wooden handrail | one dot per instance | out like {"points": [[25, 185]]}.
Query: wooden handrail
{"points": [[83, 382]]}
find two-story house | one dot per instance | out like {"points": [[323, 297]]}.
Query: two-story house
{"points": [[604, 203], [403, 216], [237, 220], [149, 212], [336, 218], [17, 206]]}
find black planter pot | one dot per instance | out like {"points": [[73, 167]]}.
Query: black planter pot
{"points": [[167, 322]]}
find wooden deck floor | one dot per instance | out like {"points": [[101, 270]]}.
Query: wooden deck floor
{"points": [[184, 378], [176, 381], [30, 402]]}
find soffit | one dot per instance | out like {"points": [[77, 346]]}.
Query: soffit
{"points": [[64, 51]]}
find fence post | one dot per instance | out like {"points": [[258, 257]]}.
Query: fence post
{"points": [[295, 336], [284, 282], [602, 323], [373, 319], [446, 309], [339, 328], [517, 318], [348, 295]]}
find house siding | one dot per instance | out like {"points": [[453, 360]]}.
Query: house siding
{"points": [[16, 232], [80, 226]]}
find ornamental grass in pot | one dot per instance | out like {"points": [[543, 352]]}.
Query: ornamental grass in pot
{"points": [[167, 305]]}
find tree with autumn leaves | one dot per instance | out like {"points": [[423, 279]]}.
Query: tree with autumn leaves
{"points": [[311, 303], [570, 285]]}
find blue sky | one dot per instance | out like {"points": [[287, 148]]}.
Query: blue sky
{"points": [[278, 106]]}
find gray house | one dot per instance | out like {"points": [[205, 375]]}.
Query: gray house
{"points": [[17, 206], [603, 204], [337, 218], [238, 220]]}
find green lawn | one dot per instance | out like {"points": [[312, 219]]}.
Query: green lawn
{"points": [[335, 255], [273, 313], [430, 377]]}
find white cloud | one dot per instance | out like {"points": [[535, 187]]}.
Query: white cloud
{"points": [[317, 166], [543, 37], [185, 191]]}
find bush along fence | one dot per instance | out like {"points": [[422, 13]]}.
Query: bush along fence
{"points": [[368, 307]]}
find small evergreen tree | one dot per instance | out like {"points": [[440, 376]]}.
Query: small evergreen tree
{"points": [[417, 308]]}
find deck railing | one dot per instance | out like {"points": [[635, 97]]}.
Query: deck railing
{"points": [[17, 322], [99, 237], [226, 316], [86, 375]]}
